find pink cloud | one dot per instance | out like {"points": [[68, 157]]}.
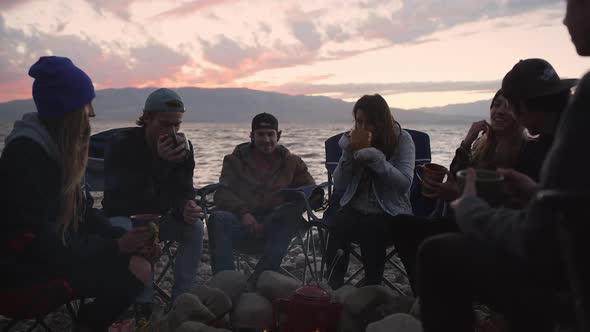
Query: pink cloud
{"points": [[154, 63], [191, 8]]}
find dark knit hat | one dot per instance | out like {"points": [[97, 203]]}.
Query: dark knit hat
{"points": [[532, 78], [164, 100], [59, 87], [265, 121]]}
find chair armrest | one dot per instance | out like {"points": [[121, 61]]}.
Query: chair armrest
{"points": [[201, 195], [312, 195], [565, 200], [208, 189]]}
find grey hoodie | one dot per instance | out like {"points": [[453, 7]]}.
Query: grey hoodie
{"points": [[31, 127]]}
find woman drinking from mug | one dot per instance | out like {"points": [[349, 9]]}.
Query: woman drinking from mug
{"points": [[48, 230], [374, 175]]}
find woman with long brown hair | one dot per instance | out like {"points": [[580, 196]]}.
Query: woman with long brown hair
{"points": [[50, 230], [374, 176]]}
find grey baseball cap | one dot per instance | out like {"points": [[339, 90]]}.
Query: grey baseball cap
{"points": [[164, 100]]}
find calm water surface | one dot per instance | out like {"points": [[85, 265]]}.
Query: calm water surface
{"points": [[213, 141]]}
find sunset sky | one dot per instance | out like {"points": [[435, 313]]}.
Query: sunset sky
{"points": [[417, 53]]}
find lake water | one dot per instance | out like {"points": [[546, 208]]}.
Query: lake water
{"points": [[213, 141]]}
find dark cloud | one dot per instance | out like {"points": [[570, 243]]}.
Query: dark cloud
{"points": [[61, 25], [336, 33], [238, 61], [191, 8], [419, 18], [306, 33], [265, 28], [151, 63], [118, 7], [227, 52], [9, 4]]}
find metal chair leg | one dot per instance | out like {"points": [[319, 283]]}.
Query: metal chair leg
{"points": [[162, 293]]}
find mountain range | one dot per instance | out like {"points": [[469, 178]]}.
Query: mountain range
{"points": [[240, 105]]}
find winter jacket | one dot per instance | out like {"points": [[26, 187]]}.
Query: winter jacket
{"points": [[32, 246], [392, 178], [248, 190], [137, 181]]}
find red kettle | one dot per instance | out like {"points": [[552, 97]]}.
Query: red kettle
{"points": [[308, 310]]}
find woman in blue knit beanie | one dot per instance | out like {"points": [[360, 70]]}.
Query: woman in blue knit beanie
{"points": [[49, 226]]}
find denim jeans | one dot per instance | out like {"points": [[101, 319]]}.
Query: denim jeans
{"points": [[188, 255], [225, 229]]}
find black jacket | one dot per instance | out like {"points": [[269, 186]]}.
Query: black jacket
{"points": [[32, 249], [136, 181]]}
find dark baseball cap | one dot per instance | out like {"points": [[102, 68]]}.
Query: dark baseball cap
{"points": [[265, 121], [532, 78], [164, 100]]}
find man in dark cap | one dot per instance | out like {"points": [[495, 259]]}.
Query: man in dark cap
{"points": [[539, 97], [250, 208], [511, 259], [149, 170]]}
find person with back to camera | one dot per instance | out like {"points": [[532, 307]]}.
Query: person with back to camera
{"points": [[374, 175], [49, 228]]}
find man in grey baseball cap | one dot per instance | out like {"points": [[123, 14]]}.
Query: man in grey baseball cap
{"points": [[164, 100], [149, 170]]}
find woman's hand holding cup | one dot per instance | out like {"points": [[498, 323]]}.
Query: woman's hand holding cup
{"points": [[360, 139]]}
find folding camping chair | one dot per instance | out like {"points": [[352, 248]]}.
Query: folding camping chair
{"points": [[37, 301], [421, 205]]}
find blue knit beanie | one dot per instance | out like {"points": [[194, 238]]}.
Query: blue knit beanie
{"points": [[59, 87]]}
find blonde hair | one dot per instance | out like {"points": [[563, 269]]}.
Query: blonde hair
{"points": [[71, 133], [492, 151]]}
